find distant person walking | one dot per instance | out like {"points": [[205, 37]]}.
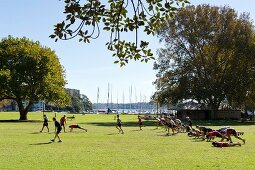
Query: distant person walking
{"points": [[58, 129], [140, 123], [63, 122], [45, 123], [119, 124], [189, 122]]}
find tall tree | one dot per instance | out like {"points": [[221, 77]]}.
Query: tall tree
{"points": [[86, 19], [76, 104], [87, 105], [209, 56], [30, 72]]}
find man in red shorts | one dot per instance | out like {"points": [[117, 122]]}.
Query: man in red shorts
{"points": [[140, 123], [76, 126], [63, 122], [229, 131], [211, 135]]}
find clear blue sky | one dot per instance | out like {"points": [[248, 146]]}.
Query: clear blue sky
{"points": [[89, 66]]}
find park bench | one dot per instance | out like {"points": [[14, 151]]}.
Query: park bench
{"points": [[70, 117]]}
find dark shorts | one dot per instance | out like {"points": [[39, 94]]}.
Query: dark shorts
{"points": [[218, 135], [59, 130], [234, 132], [171, 125], [140, 123], [45, 124], [206, 130], [119, 124]]}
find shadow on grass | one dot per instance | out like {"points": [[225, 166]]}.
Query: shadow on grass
{"points": [[197, 140], [132, 124], [223, 123], [136, 130], [20, 121], [41, 143], [195, 122], [42, 133], [35, 132], [165, 134], [112, 134]]}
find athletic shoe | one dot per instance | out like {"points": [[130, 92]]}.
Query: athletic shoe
{"points": [[52, 140], [60, 141]]}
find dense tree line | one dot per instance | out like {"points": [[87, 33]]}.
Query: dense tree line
{"points": [[209, 56]]}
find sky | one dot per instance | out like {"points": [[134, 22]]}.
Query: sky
{"points": [[89, 67]]}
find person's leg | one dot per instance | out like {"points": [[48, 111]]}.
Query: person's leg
{"points": [[210, 137], [42, 128], [240, 138], [59, 139], [158, 124], [168, 130], [229, 137], [117, 127], [48, 128], [82, 128], [223, 137], [121, 130], [53, 140]]}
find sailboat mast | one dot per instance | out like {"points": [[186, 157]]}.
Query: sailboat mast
{"points": [[97, 98]]}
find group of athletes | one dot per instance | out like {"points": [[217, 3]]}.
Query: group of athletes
{"points": [[59, 125], [176, 125], [201, 131]]}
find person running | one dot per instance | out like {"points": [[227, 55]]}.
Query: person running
{"points": [[140, 123], [45, 123], [119, 124], [63, 122], [58, 129], [229, 131], [76, 126]]}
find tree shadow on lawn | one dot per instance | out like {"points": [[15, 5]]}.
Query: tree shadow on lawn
{"points": [[125, 124], [20, 121], [222, 123], [167, 135]]}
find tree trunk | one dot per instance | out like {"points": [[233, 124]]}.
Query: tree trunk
{"points": [[23, 114], [213, 114], [23, 111], [214, 109]]}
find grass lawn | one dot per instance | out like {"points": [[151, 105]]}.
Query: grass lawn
{"points": [[22, 146]]}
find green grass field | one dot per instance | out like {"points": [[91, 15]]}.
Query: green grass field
{"points": [[22, 146]]}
